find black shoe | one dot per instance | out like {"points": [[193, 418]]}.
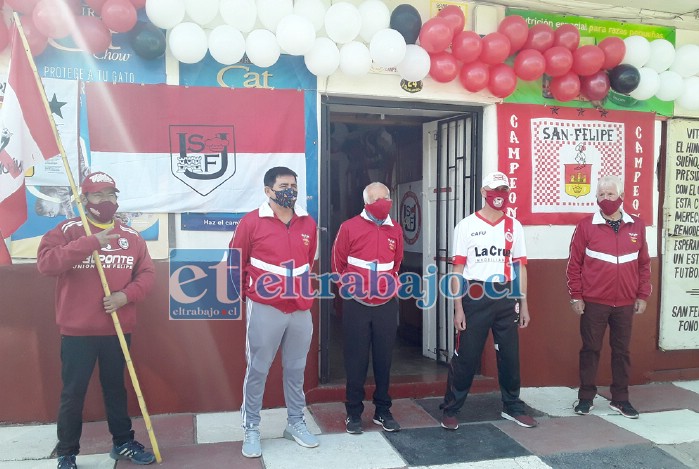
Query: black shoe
{"points": [[133, 451], [353, 425], [386, 420], [624, 408], [583, 407], [67, 462]]}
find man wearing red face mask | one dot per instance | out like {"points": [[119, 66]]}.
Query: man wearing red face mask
{"points": [[608, 281], [369, 247], [83, 314], [489, 260]]}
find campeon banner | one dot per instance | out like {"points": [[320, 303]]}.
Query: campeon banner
{"points": [[555, 155], [177, 149]]}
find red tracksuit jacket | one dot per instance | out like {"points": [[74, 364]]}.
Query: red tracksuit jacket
{"points": [[66, 252], [266, 243], [362, 246], [606, 267]]}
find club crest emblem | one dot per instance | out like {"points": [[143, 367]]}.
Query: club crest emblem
{"points": [[124, 243], [577, 179]]}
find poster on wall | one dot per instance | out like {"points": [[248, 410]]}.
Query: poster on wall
{"points": [[679, 304], [592, 31], [555, 155], [410, 215]]}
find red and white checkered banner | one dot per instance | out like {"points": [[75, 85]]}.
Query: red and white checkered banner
{"points": [[555, 155]]}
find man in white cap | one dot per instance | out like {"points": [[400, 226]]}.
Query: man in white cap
{"points": [[489, 260]]}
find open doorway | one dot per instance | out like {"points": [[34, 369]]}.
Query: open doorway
{"points": [[413, 148]]}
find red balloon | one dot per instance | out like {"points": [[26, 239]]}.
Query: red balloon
{"points": [[466, 46], [474, 76], [138, 3], [595, 87], [443, 67], [529, 64], [614, 50], [454, 16], [53, 19], [503, 80], [568, 36], [540, 37], [25, 7], [435, 35], [37, 41], [559, 61], [92, 35], [566, 87], [587, 60], [119, 15], [516, 29], [496, 48], [4, 36], [96, 5]]}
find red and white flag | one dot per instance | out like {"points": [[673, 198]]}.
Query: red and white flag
{"points": [[26, 136], [199, 149]]}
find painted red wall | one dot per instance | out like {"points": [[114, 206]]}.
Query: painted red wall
{"points": [[198, 366]]}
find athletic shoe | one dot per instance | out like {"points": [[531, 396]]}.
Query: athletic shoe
{"points": [[251, 443], [583, 407], [624, 408], [450, 422], [67, 462], [522, 420], [300, 434], [353, 425], [386, 420], [133, 451]]}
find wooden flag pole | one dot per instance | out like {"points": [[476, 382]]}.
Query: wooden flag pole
{"points": [[95, 255]]}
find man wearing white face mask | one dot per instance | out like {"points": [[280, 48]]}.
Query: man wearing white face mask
{"points": [[608, 281], [370, 247], [489, 260]]}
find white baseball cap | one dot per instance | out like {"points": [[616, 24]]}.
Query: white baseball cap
{"points": [[496, 179]]}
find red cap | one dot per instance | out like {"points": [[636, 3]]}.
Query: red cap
{"points": [[97, 181]]}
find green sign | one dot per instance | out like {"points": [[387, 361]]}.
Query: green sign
{"points": [[592, 31]]}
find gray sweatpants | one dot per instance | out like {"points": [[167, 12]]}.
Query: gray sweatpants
{"points": [[267, 328]]}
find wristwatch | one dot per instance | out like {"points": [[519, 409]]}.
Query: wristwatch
{"points": [[573, 301]]}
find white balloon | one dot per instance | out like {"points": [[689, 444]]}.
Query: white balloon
{"points": [[686, 61], [323, 58], [671, 86], [241, 14], [375, 17], [271, 12], [689, 99], [415, 65], [662, 54], [165, 14], [226, 44], [262, 48], [295, 34], [343, 22], [637, 51], [202, 12], [355, 59], [387, 48], [188, 42], [648, 85], [312, 10]]}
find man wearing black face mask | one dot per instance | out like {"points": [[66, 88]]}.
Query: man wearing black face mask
{"points": [[369, 246], [87, 333], [608, 281]]}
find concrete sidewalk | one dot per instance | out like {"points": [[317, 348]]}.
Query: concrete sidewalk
{"points": [[665, 436]]}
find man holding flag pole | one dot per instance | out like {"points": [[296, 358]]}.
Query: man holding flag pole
{"points": [[70, 252]]}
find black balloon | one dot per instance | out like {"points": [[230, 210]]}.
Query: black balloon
{"points": [[624, 78], [147, 40], [406, 20]]}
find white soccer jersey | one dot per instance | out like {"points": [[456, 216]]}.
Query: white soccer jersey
{"points": [[487, 249]]}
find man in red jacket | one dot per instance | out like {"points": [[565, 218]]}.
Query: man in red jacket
{"points": [[369, 247], [608, 281], [83, 314], [277, 244]]}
